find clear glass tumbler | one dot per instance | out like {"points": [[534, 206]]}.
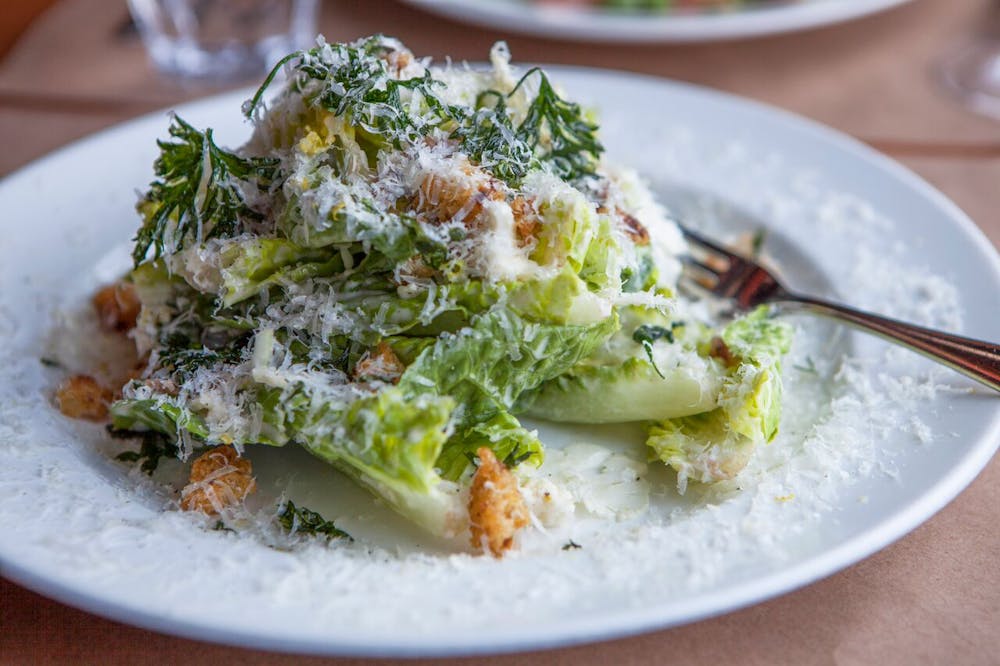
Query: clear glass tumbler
{"points": [[222, 39], [971, 69], [972, 73]]}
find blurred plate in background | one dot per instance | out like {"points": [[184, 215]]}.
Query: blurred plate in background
{"points": [[589, 21]]}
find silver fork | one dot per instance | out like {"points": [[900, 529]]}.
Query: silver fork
{"points": [[747, 284]]}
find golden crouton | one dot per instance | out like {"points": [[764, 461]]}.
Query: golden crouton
{"points": [[416, 267], [81, 397], [458, 196], [398, 60], [526, 221], [633, 227], [720, 350], [219, 478], [496, 508], [380, 363], [117, 307]]}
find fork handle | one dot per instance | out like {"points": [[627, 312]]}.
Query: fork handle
{"points": [[977, 359]]}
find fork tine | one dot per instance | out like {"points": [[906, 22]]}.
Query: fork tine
{"points": [[696, 285], [692, 263], [697, 239]]}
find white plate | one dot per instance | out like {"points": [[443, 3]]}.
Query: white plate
{"points": [[568, 22], [901, 438]]}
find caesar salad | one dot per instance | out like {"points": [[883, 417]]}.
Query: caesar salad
{"points": [[402, 261]]}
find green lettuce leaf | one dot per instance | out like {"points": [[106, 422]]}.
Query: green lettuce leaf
{"points": [[251, 266], [562, 300], [631, 391], [502, 433], [488, 365], [569, 225], [601, 268], [312, 219], [717, 444], [388, 442], [486, 368], [157, 415], [620, 382], [454, 396]]}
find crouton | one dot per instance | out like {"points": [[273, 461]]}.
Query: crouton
{"points": [[496, 507], [380, 363], [117, 307], [458, 196], [219, 478], [82, 397], [526, 222]]}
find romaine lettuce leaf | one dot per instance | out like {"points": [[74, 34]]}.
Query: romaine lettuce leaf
{"points": [[326, 211], [388, 441], [603, 264], [249, 266], [631, 391], [717, 444], [486, 368], [488, 365], [392, 441], [157, 415], [563, 300], [503, 434], [626, 380], [569, 223], [406, 431]]}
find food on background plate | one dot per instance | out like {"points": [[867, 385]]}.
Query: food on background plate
{"points": [[401, 261], [659, 6]]}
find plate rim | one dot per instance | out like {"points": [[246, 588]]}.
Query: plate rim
{"points": [[537, 21], [626, 622]]}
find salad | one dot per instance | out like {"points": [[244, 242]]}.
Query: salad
{"points": [[402, 261]]}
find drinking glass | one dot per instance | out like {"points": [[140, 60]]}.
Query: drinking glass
{"points": [[222, 39], [971, 70]]}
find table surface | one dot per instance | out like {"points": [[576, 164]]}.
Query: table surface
{"points": [[931, 598]]}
